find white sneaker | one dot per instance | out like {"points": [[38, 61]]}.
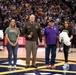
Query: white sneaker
{"points": [[14, 66], [9, 66], [66, 66]]}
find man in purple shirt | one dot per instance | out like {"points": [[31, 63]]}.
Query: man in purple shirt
{"points": [[51, 33]]}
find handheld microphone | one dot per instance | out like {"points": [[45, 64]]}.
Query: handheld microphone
{"points": [[31, 33]]}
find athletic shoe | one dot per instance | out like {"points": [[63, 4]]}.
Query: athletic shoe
{"points": [[33, 66], [65, 66], [52, 67], [47, 66], [15, 67], [9, 67]]}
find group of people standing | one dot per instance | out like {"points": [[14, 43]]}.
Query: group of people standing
{"points": [[32, 31]]}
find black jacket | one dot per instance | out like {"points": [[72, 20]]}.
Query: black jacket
{"points": [[35, 29]]}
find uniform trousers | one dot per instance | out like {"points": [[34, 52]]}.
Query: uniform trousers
{"points": [[31, 47]]}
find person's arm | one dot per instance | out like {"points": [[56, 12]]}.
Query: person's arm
{"points": [[39, 34], [45, 45], [17, 37], [8, 40], [71, 37], [71, 34], [57, 37], [57, 41], [16, 41]]}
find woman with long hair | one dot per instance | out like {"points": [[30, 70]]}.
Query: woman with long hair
{"points": [[12, 34], [68, 30]]}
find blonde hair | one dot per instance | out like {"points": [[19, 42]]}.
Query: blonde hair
{"points": [[10, 25]]}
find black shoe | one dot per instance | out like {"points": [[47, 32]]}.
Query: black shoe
{"points": [[9, 69], [27, 66], [14, 68], [60, 51], [34, 66]]}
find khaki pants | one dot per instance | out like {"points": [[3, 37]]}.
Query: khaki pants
{"points": [[31, 47]]}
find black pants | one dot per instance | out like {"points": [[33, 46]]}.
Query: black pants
{"points": [[66, 49]]}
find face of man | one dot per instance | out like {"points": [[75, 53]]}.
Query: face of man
{"points": [[51, 24], [32, 18]]}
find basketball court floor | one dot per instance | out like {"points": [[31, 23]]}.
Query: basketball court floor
{"points": [[40, 62]]}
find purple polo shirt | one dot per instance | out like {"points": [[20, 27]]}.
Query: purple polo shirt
{"points": [[51, 34]]}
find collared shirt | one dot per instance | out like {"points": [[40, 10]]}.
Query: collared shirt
{"points": [[51, 34]]}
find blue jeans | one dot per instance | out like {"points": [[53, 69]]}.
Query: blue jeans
{"points": [[52, 49], [12, 50]]}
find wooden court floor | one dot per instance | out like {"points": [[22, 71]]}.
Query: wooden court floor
{"points": [[40, 62], [21, 53]]}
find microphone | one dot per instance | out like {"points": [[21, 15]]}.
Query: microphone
{"points": [[31, 33]]}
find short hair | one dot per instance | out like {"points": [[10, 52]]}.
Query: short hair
{"points": [[32, 15], [51, 20], [13, 20]]}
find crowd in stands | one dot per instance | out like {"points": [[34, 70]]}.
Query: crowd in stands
{"points": [[58, 10], [72, 5], [43, 9]]}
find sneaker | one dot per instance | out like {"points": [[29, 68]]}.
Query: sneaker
{"points": [[34, 66], [15, 67], [52, 67], [65, 67], [48, 66], [27, 66], [9, 67]]}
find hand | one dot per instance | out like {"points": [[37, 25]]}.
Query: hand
{"points": [[70, 39], [14, 44], [45, 45], [29, 36], [11, 44], [40, 43]]}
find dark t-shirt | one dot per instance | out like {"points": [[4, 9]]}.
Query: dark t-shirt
{"points": [[68, 30]]}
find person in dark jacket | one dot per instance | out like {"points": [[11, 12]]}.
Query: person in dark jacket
{"points": [[31, 31]]}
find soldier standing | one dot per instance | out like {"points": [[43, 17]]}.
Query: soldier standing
{"points": [[32, 31]]}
